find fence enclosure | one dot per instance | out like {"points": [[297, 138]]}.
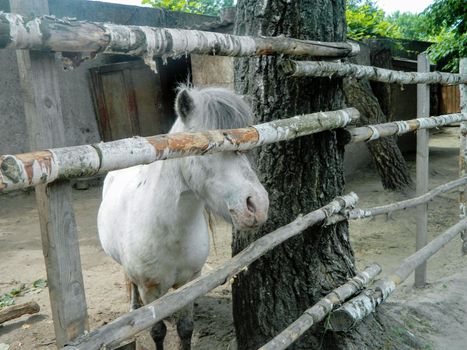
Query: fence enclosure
{"points": [[42, 168]]}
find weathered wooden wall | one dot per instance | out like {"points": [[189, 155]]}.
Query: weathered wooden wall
{"points": [[450, 100]]}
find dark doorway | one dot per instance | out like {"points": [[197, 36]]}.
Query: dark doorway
{"points": [[130, 99]]}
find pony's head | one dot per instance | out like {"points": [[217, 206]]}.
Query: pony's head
{"points": [[225, 181]]}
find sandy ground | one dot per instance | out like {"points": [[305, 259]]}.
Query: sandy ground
{"points": [[437, 313]]}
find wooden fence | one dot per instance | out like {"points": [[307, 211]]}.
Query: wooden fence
{"points": [[41, 169]]}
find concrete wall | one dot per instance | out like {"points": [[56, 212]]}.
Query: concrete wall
{"points": [[213, 71]]}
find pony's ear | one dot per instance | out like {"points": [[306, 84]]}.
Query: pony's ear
{"points": [[184, 104]]}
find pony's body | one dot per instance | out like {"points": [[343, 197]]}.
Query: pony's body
{"points": [[151, 220], [163, 238]]}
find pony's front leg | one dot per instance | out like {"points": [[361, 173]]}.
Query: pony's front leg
{"points": [[158, 332], [149, 293], [135, 300], [185, 326]]}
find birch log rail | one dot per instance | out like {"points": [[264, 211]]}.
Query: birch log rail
{"points": [[373, 132], [30, 169], [355, 310], [333, 69], [128, 325], [52, 34], [322, 308], [409, 203]]}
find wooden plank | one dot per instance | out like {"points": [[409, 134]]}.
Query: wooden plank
{"points": [[39, 80], [131, 105], [149, 99], [113, 85], [423, 110], [463, 150], [450, 99]]}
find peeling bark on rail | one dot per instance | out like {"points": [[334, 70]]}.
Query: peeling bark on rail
{"points": [[322, 308], [373, 132], [332, 69], [30, 169], [69, 35], [355, 310], [128, 325]]}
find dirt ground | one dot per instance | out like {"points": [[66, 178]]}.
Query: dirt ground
{"points": [[436, 313]]}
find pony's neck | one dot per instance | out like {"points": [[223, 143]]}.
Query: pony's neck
{"points": [[172, 189], [178, 126]]}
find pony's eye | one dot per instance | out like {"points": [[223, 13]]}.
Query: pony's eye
{"points": [[238, 153]]}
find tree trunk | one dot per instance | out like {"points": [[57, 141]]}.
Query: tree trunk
{"points": [[300, 176], [387, 156], [382, 58]]}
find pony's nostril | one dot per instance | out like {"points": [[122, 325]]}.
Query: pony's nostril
{"points": [[250, 205]]}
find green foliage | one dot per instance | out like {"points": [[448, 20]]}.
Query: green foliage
{"points": [[447, 14], [410, 26], [205, 7], [447, 24], [366, 20], [40, 283], [444, 23], [8, 298], [448, 49]]}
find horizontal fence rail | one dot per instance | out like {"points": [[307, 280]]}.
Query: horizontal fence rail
{"points": [[355, 310], [128, 325], [373, 132], [409, 203], [333, 69], [322, 308], [68, 35], [357, 213], [30, 169]]}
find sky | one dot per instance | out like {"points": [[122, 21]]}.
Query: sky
{"points": [[389, 6], [415, 6]]}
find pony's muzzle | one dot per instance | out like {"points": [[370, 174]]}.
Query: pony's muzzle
{"points": [[251, 212]]}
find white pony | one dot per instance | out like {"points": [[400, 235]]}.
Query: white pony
{"points": [[151, 219]]}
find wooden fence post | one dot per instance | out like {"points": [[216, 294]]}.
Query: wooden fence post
{"points": [[423, 110], [463, 150], [42, 104]]}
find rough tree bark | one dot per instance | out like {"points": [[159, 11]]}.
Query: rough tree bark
{"points": [[300, 176], [373, 100], [382, 58], [389, 161]]}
